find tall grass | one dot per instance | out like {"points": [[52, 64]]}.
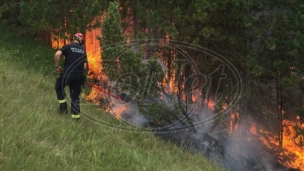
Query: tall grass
{"points": [[34, 137]]}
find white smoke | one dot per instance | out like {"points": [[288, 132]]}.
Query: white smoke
{"points": [[243, 150], [128, 112], [243, 145]]}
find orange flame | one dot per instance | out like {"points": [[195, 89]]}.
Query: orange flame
{"points": [[56, 41], [118, 112], [291, 150], [93, 50]]}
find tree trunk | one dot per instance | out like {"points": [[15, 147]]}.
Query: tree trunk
{"points": [[280, 110]]}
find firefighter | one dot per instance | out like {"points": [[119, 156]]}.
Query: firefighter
{"points": [[72, 74]]}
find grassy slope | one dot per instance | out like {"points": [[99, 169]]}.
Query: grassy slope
{"points": [[34, 137]]}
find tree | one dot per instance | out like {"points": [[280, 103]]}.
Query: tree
{"points": [[123, 64], [275, 53], [9, 12], [63, 19]]}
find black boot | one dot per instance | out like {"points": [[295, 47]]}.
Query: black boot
{"points": [[63, 108]]}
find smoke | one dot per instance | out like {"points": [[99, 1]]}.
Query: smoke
{"points": [[202, 118], [128, 112], [238, 150], [243, 146]]}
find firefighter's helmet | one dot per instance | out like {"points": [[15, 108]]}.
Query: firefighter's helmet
{"points": [[79, 37]]}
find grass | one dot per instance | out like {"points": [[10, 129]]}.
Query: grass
{"points": [[34, 137]]}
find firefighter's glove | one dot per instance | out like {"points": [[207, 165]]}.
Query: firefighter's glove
{"points": [[58, 68]]}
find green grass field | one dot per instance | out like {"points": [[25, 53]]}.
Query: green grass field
{"points": [[34, 137]]}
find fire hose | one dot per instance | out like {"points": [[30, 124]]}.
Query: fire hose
{"points": [[102, 90]]}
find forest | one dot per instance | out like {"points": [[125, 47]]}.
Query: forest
{"points": [[241, 58]]}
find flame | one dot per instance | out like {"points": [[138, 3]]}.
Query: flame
{"points": [[57, 42], [118, 112], [93, 51], [210, 104], [94, 56], [291, 154], [291, 148]]}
